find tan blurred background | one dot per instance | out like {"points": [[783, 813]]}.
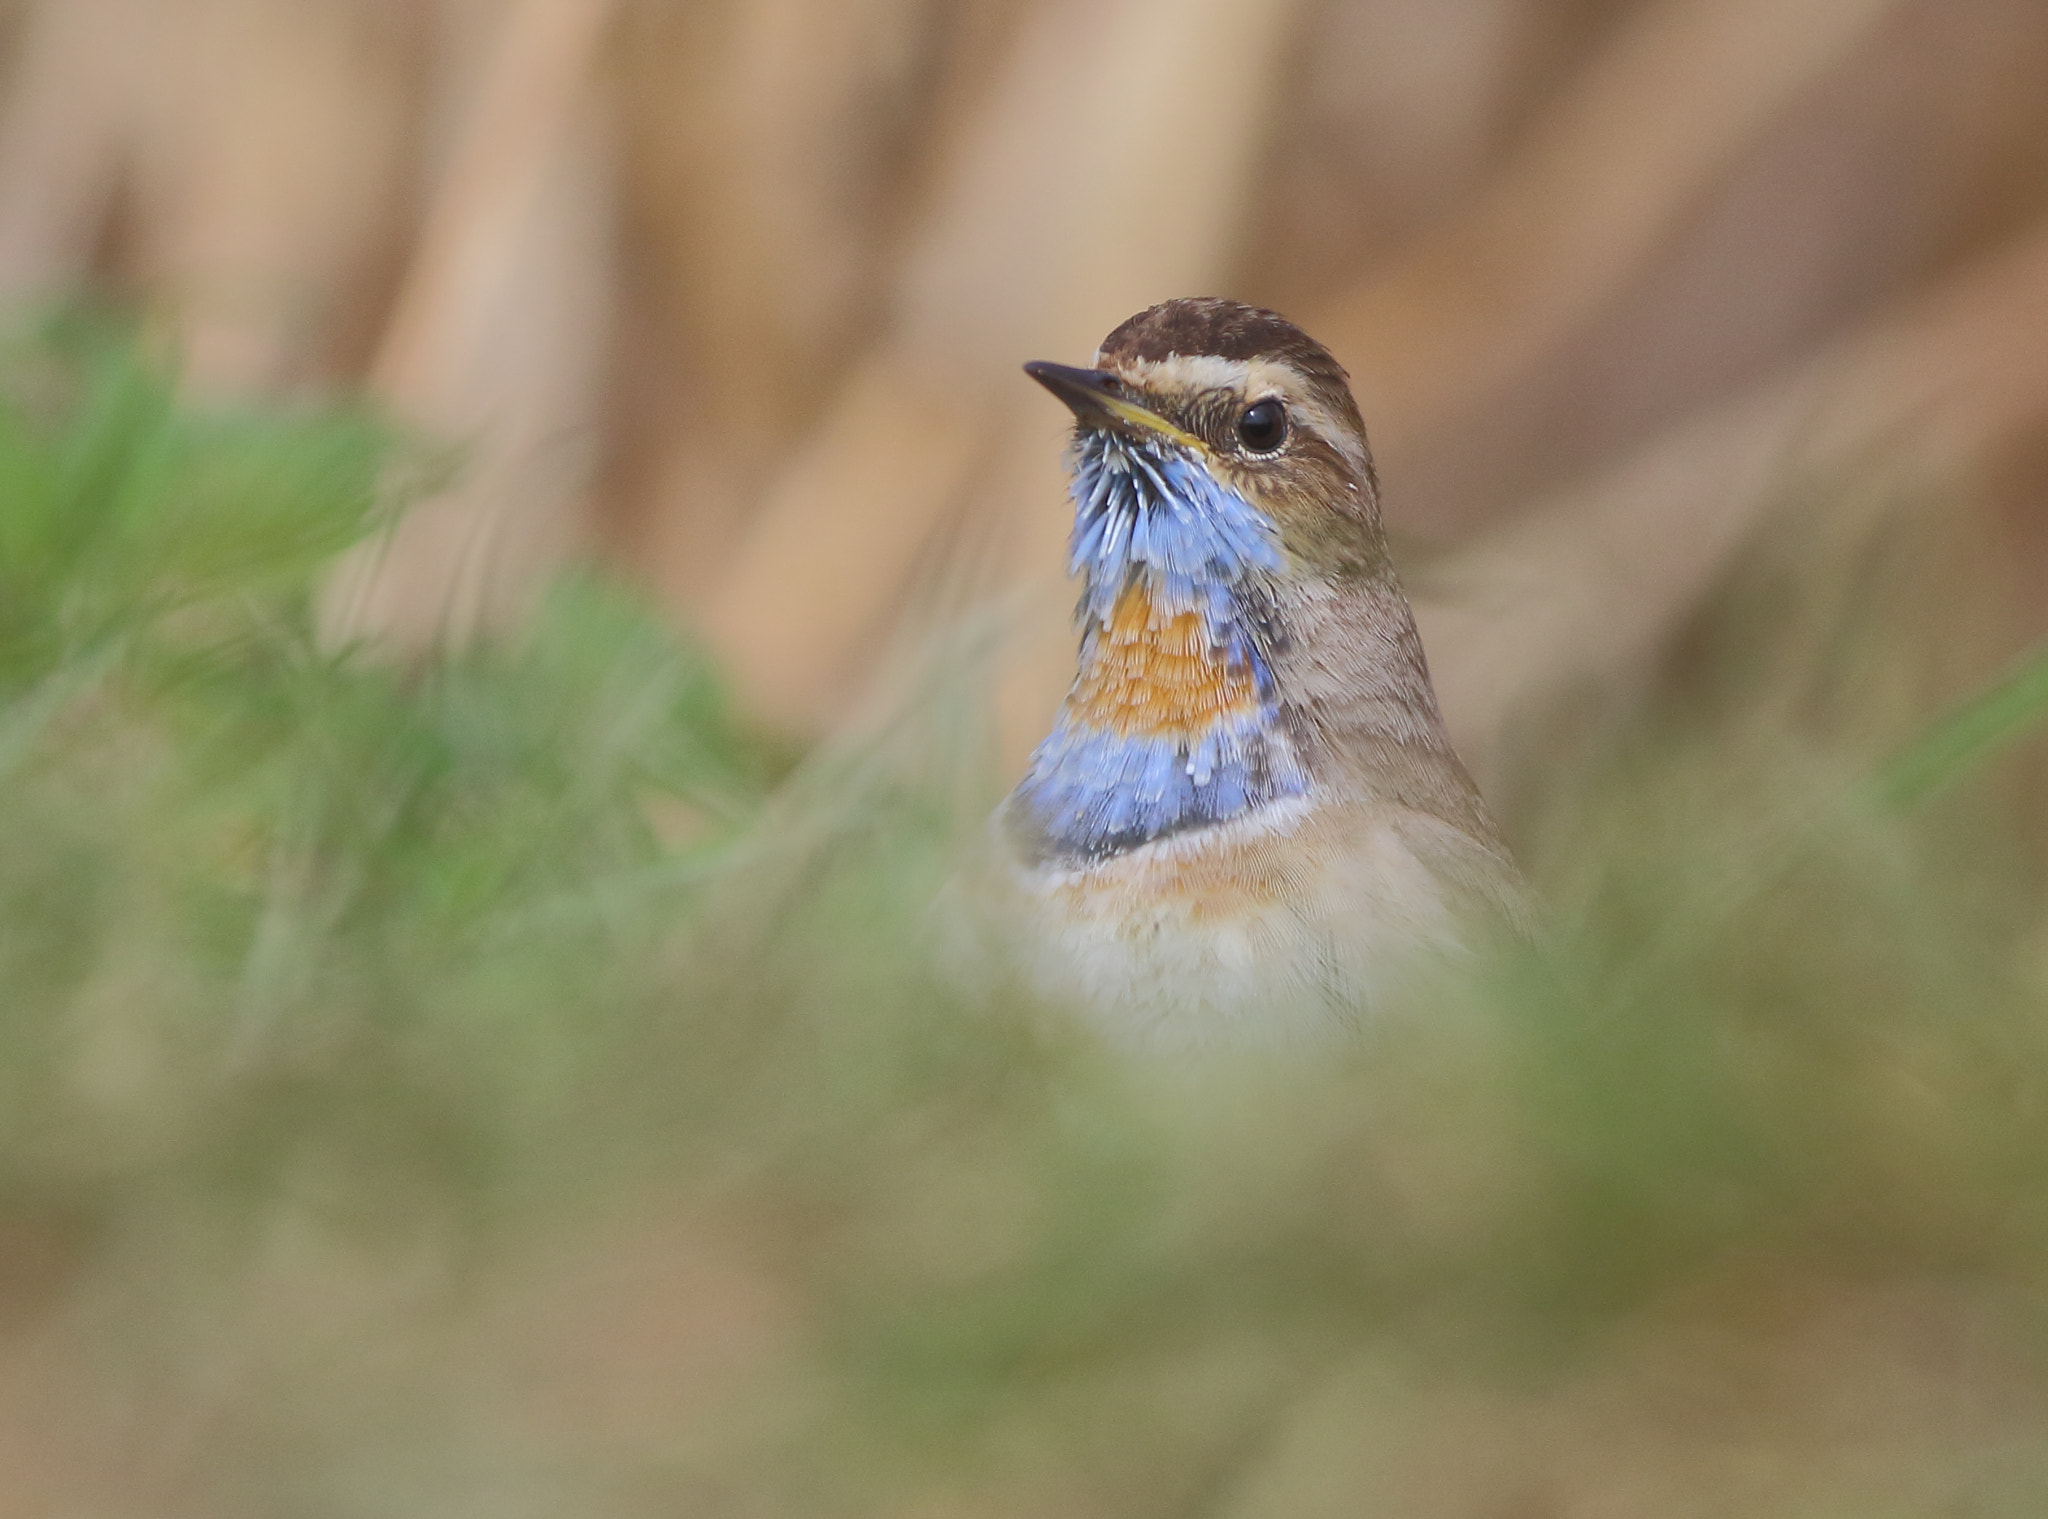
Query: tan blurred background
{"points": [[733, 292], [732, 295]]}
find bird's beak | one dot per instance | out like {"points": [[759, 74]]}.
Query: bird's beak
{"points": [[1097, 399]]}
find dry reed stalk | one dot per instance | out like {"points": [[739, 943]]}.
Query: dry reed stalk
{"points": [[1394, 111], [771, 146], [1592, 191], [259, 145], [270, 178], [1062, 211], [1874, 181], [499, 340], [1588, 587], [78, 84], [533, 86]]}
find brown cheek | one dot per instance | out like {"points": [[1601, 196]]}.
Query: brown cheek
{"points": [[1324, 525]]}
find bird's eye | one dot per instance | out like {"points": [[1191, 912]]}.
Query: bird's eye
{"points": [[1263, 427]]}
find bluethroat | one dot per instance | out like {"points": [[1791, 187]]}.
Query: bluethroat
{"points": [[1247, 820]]}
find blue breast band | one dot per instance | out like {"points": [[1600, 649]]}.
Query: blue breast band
{"points": [[1157, 519]]}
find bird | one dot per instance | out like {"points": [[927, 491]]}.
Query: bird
{"points": [[1247, 824]]}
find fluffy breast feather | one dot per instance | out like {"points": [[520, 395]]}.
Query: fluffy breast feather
{"points": [[1154, 672], [1278, 927]]}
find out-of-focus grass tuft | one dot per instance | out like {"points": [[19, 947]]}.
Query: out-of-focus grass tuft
{"points": [[494, 1086]]}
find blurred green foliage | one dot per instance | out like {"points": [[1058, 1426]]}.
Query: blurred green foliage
{"points": [[339, 998], [237, 861]]}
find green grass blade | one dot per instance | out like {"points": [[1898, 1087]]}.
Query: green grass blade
{"points": [[2001, 714]]}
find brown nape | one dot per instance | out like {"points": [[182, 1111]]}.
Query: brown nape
{"points": [[1196, 325]]}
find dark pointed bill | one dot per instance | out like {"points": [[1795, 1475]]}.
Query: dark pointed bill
{"points": [[1097, 399]]}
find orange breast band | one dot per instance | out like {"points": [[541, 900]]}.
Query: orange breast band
{"points": [[1155, 674]]}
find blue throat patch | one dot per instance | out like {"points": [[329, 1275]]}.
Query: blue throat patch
{"points": [[1174, 721]]}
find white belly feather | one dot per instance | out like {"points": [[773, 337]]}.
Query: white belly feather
{"points": [[1275, 928]]}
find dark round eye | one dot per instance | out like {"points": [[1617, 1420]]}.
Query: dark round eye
{"points": [[1263, 427]]}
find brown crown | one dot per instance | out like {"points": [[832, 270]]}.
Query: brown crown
{"points": [[1196, 325]]}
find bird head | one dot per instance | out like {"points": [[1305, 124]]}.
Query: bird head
{"points": [[1238, 440]]}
